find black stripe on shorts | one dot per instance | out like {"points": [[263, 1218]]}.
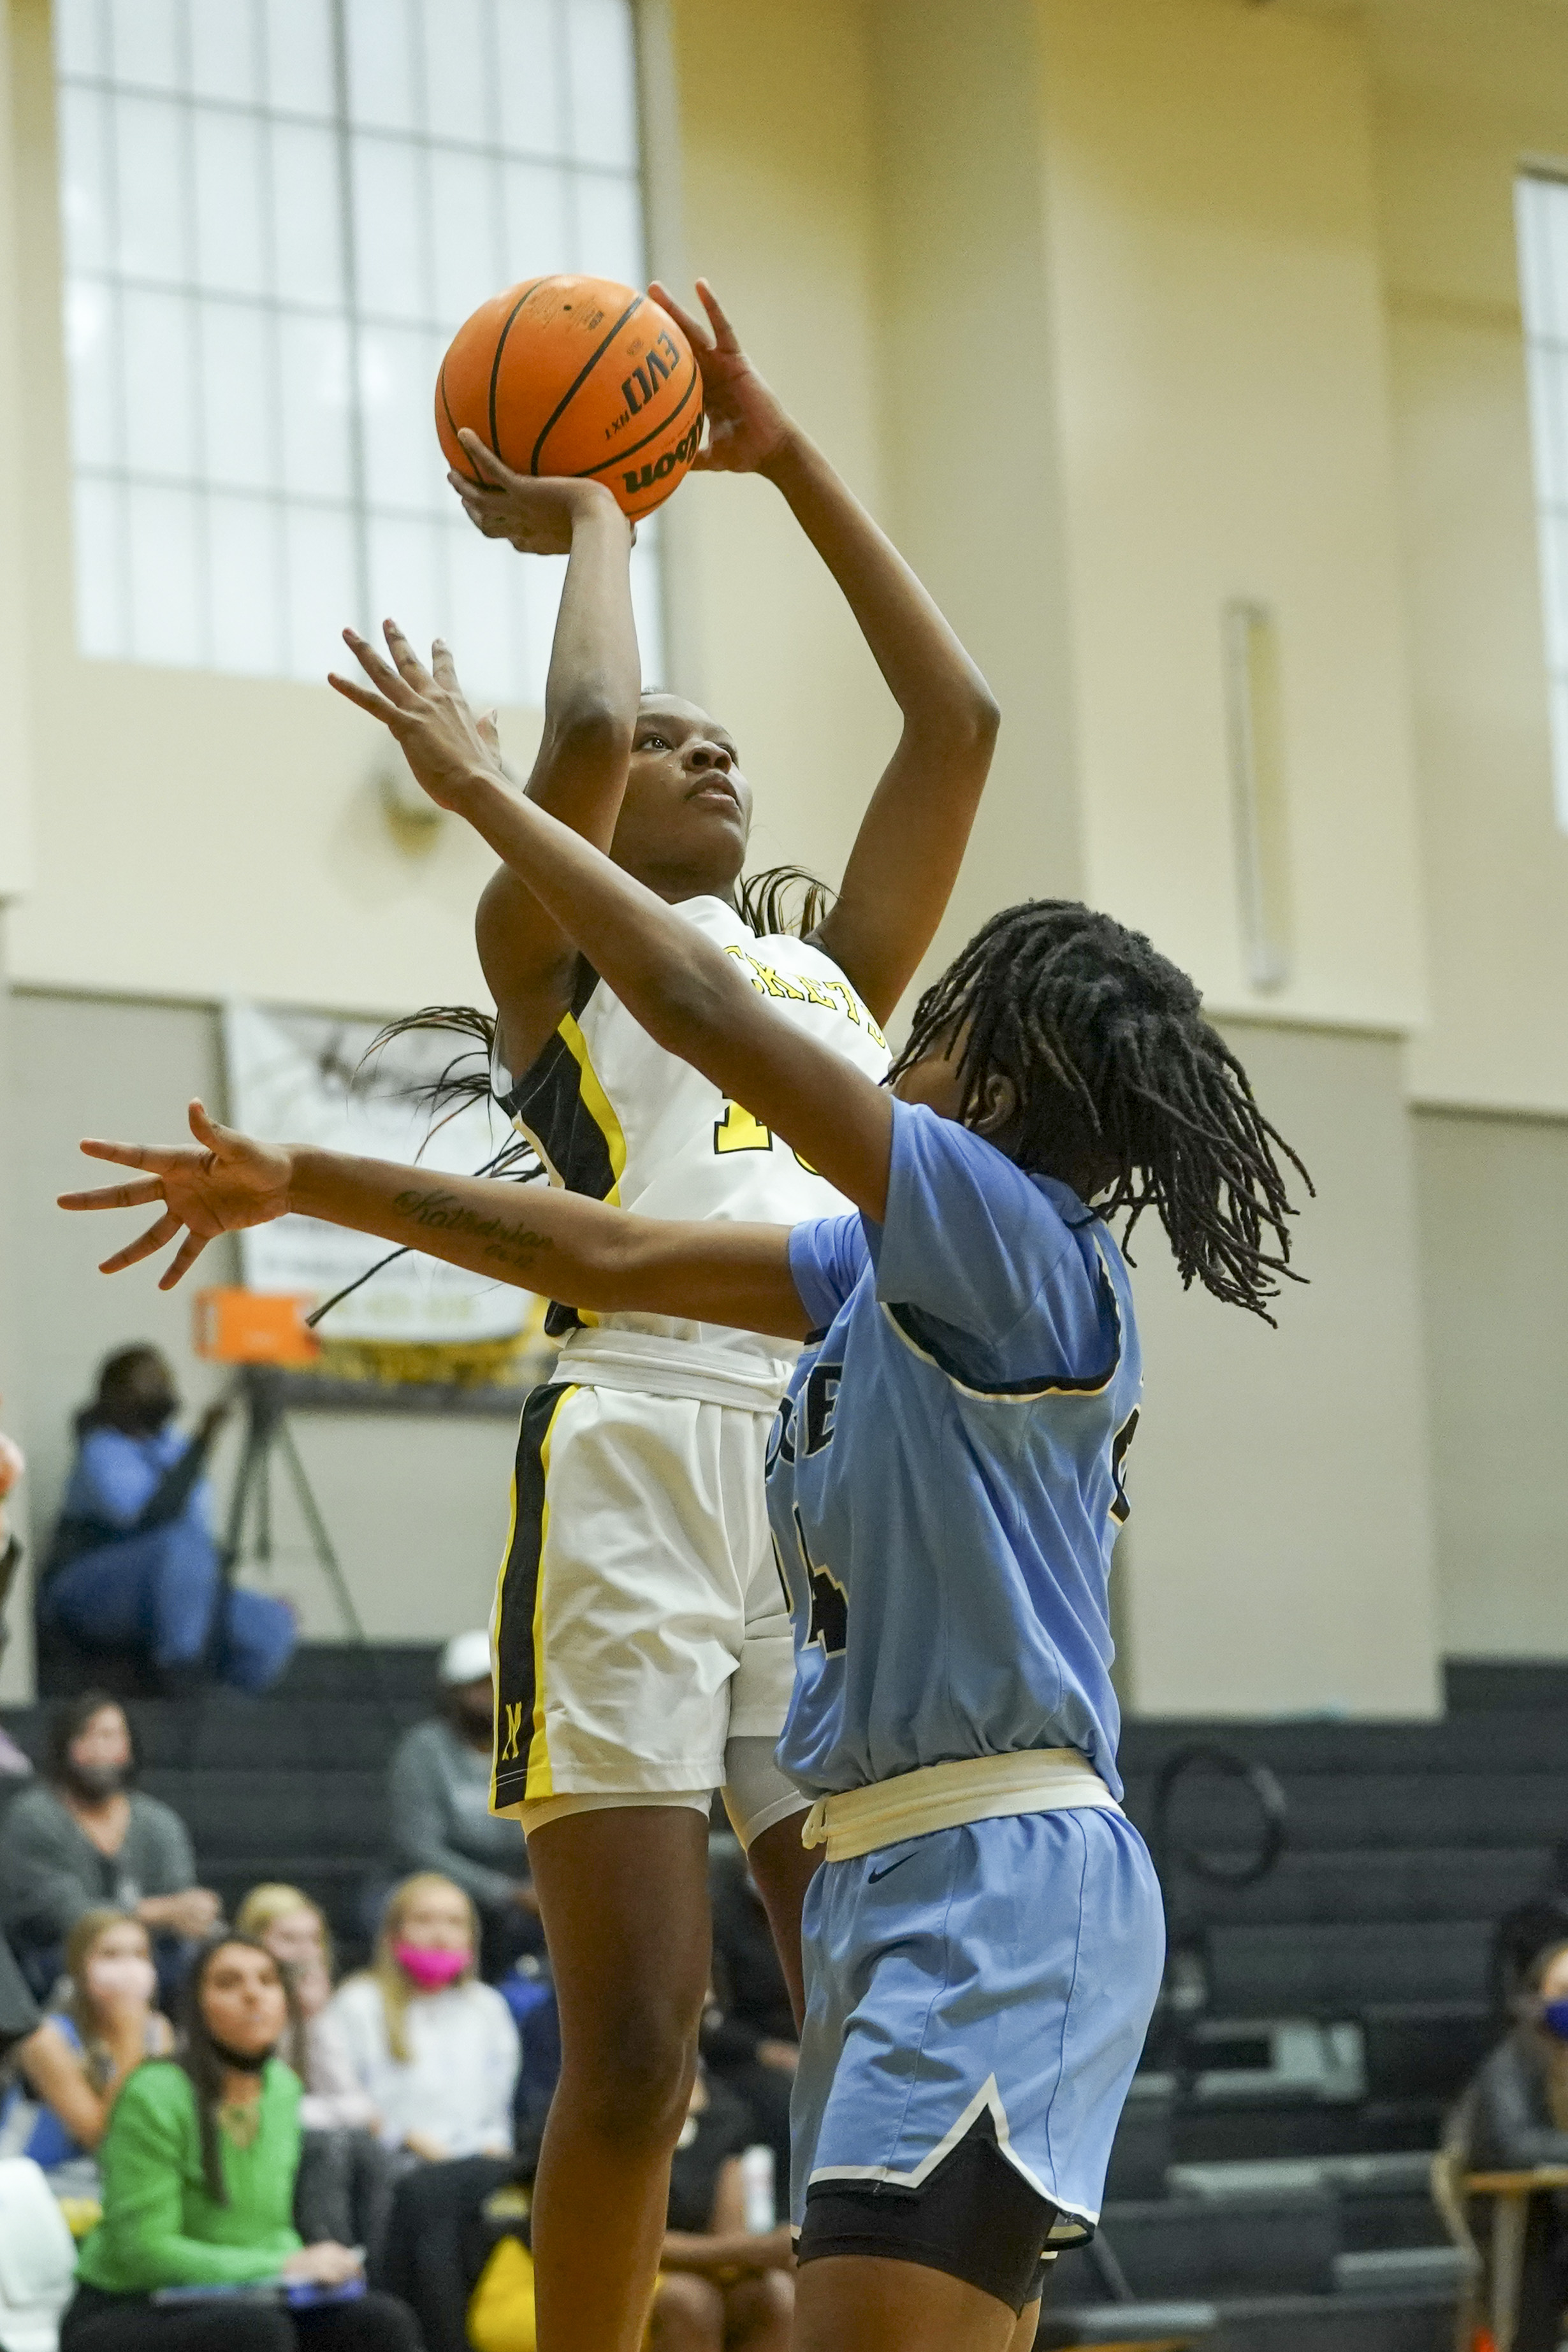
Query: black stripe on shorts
{"points": [[515, 1683]]}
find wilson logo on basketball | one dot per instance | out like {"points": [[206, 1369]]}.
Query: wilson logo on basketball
{"points": [[643, 477]]}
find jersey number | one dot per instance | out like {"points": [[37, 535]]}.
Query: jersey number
{"points": [[828, 1624], [739, 1131]]}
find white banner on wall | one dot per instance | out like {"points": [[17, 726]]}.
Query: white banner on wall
{"points": [[295, 1077]]}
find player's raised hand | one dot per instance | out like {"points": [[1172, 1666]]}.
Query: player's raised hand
{"points": [[229, 1181], [746, 423], [443, 742], [537, 512]]}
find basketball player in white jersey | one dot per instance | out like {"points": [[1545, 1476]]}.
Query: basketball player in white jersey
{"points": [[642, 1634]]}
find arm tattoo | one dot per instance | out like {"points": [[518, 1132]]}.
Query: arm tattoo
{"points": [[509, 1243]]}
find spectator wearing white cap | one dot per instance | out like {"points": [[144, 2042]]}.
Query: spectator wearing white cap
{"points": [[441, 1800]]}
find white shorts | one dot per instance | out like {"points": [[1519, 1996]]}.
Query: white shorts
{"points": [[640, 1623]]}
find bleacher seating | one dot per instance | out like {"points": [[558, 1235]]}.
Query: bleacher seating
{"points": [[1344, 2001], [1273, 2161], [291, 1785]]}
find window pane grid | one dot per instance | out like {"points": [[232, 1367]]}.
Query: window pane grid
{"points": [[276, 212]]}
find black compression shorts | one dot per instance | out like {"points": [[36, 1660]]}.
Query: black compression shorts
{"points": [[976, 2218]]}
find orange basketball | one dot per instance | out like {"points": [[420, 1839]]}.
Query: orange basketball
{"points": [[575, 375]]}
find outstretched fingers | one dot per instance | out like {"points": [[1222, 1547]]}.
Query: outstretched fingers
{"points": [[376, 704], [410, 668], [114, 1196], [724, 336], [380, 672], [156, 1236], [184, 1257], [691, 326], [443, 668], [157, 1157]]}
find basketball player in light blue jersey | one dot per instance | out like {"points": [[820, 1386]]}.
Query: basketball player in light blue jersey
{"points": [[983, 1941]]}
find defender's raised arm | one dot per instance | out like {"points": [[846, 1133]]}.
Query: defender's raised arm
{"points": [[689, 995]]}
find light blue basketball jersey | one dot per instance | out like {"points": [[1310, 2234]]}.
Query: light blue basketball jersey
{"points": [[945, 1474]]}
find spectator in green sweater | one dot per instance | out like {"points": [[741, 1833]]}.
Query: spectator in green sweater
{"points": [[198, 2186]]}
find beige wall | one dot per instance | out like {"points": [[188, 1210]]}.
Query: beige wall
{"points": [[1279, 1558], [15, 847], [1462, 96], [1223, 416], [1493, 1197], [970, 391]]}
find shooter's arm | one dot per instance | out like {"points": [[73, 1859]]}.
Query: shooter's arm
{"points": [[911, 839], [580, 773]]}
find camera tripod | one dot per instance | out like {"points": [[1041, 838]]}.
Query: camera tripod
{"points": [[264, 1395]]}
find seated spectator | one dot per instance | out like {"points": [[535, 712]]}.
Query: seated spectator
{"points": [[1513, 2118], [434, 2050], [82, 1838], [748, 2039], [78, 2061], [134, 1565], [295, 1932], [198, 2184], [440, 1804], [458, 2249], [344, 2189]]}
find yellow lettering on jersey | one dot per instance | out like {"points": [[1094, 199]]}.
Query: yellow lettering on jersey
{"points": [[776, 984], [741, 957], [739, 1131], [847, 998], [815, 992], [513, 1732], [806, 1164]]}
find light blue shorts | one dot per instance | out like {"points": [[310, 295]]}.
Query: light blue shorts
{"points": [[1008, 1966]]}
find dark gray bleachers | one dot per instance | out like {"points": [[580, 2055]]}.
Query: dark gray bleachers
{"points": [[291, 1785]]}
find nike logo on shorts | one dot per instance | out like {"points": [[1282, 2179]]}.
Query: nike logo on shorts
{"points": [[873, 1875]]}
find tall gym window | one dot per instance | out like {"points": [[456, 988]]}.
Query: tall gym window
{"points": [[276, 212], [1542, 209]]}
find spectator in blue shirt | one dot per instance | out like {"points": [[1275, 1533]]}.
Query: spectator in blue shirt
{"points": [[134, 1565]]}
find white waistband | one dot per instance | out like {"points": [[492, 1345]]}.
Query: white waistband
{"points": [[613, 1359], [942, 1796]]}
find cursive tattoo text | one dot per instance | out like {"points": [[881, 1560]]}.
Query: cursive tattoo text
{"points": [[509, 1244]]}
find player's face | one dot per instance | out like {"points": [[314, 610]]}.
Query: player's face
{"points": [[687, 808]]}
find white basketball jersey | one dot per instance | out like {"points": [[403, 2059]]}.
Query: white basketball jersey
{"points": [[612, 1115]]}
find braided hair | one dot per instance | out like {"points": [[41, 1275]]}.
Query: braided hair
{"points": [[1102, 1046]]}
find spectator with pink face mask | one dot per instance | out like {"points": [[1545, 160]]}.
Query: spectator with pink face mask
{"points": [[80, 2057], [434, 2050]]}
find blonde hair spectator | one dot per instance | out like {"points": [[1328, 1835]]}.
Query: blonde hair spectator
{"points": [[433, 2049]]}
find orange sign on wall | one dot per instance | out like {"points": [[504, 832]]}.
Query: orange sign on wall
{"points": [[253, 1326]]}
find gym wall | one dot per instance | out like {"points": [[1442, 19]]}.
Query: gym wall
{"points": [[1113, 315], [416, 1505]]}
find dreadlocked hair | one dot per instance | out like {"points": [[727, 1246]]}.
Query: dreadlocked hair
{"points": [[1104, 1047], [765, 901], [466, 1077]]}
